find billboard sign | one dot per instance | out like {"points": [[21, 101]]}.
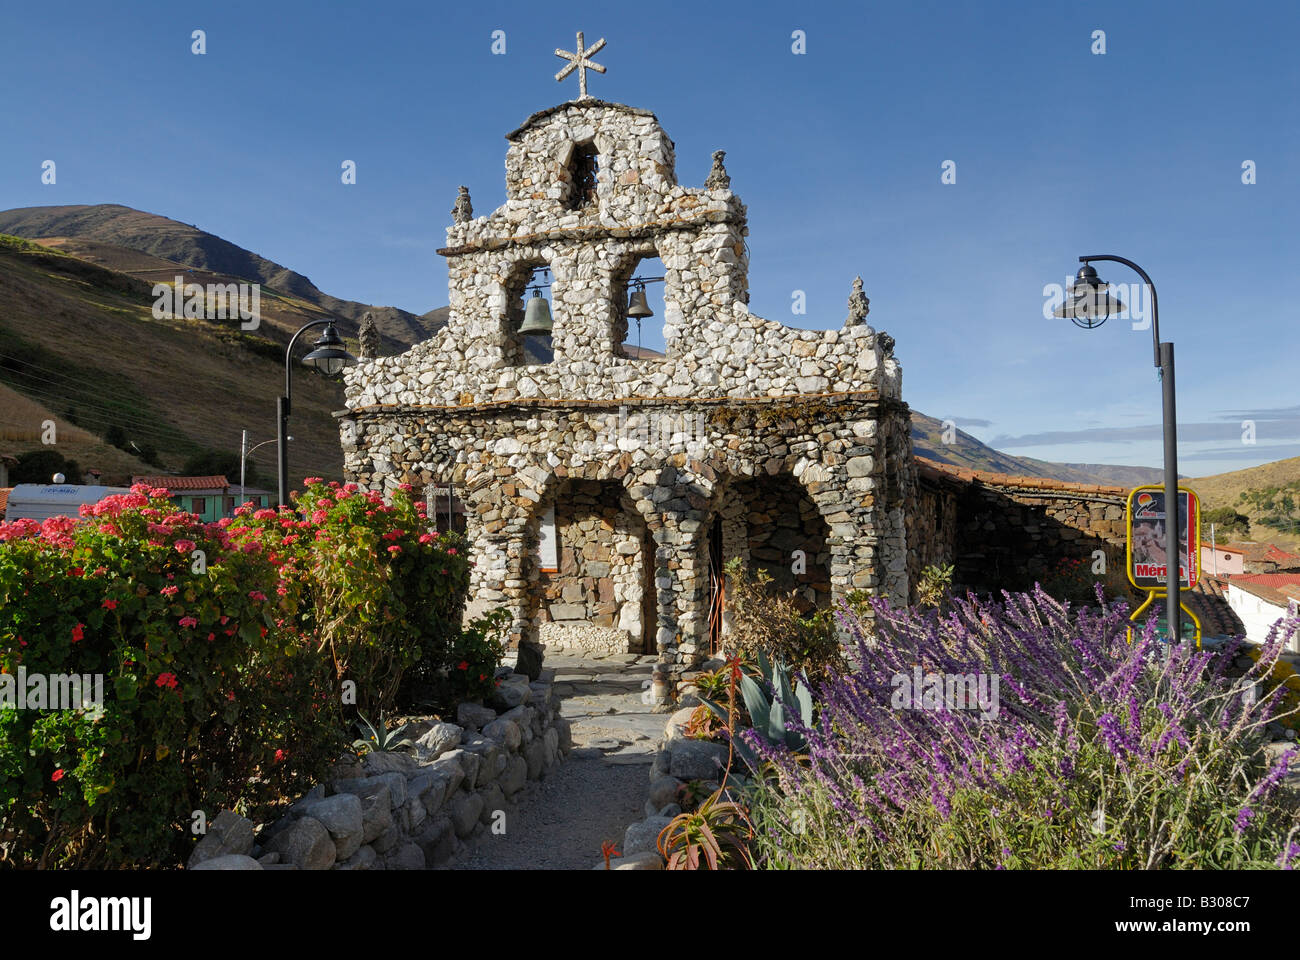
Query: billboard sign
{"points": [[1148, 541]]}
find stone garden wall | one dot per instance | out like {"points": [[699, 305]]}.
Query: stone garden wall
{"points": [[1004, 531], [409, 809]]}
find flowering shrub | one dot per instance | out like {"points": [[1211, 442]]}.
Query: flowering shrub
{"points": [[379, 592], [226, 652], [211, 697], [1099, 754]]}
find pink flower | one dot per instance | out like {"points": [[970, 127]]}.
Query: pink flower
{"points": [[394, 549], [266, 513], [188, 622], [170, 591], [56, 776], [109, 604], [257, 595]]}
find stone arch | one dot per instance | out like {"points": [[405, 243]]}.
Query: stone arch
{"points": [[518, 274]]}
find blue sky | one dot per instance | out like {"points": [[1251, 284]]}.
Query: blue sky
{"points": [[837, 152]]}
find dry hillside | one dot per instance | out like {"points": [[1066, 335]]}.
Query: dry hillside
{"points": [[81, 341], [1223, 489]]}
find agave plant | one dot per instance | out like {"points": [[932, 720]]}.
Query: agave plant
{"points": [[379, 739], [714, 836], [768, 714]]}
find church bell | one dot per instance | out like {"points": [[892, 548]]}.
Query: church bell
{"points": [[637, 306], [537, 317]]}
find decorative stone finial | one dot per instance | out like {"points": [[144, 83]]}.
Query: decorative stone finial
{"points": [[886, 344], [717, 178], [859, 305], [578, 61], [463, 211], [369, 335]]}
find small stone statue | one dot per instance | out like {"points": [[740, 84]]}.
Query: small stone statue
{"points": [[717, 178], [859, 305], [368, 337], [462, 212]]}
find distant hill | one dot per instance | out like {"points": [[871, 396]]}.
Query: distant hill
{"points": [[79, 344], [166, 239], [966, 451], [1223, 489]]}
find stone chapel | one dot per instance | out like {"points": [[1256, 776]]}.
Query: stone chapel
{"points": [[603, 490]]}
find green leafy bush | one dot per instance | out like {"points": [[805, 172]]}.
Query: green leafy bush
{"points": [[233, 656]]}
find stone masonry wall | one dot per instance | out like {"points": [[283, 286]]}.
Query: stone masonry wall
{"points": [[409, 810]]}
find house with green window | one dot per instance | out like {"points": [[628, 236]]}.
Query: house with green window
{"points": [[209, 498]]}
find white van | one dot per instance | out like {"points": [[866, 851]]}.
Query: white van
{"points": [[39, 501]]}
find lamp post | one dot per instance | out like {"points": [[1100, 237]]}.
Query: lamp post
{"points": [[1089, 306], [329, 357], [245, 451]]}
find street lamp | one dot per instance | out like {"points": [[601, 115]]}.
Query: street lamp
{"points": [[245, 451], [1088, 305], [329, 357]]}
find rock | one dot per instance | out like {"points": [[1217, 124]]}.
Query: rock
{"points": [[664, 791], [551, 742], [670, 810], [494, 800], [395, 782], [650, 860], [535, 756], [472, 716], [435, 839], [643, 836], [439, 739], [468, 762], [229, 861], [696, 759], [529, 660], [514, 777], [511, 692], [408, 856], [391, 761], [364, 859], [488, 752], [376, 813], [305, 844], [228, 835], [268, 859], [387, 840], [659, 766], [564, 728], [676, 727], [505, 732], [450, 770], [464, 811], [415, 813], [341, 816]]}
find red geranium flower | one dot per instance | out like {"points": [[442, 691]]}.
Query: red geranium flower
{"points": [[109, 604], [78, 632], [463, 665], [56, 776]]}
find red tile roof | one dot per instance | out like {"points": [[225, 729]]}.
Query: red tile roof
{"points": [[935, 470], [1280, 595], [1256, 551], [1275, 580], [178, 484]]}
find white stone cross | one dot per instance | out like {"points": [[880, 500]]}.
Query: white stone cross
{"points": [[578, 61]]}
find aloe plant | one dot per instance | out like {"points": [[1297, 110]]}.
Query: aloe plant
{"points": [[380, 738], [768, 714]]}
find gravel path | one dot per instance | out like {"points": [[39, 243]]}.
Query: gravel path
{"points": [[561, 821]]}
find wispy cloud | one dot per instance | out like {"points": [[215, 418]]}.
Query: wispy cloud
{"points": [[1271, 429]]}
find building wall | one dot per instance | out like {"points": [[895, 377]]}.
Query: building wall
{"points": [[1230, 562], [1256, 614], [753, 398]]}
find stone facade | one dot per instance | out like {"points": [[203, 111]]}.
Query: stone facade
{"points": [[1005, 532], [671, 444]]}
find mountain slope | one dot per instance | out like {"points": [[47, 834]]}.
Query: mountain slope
{"points": [[1223, 489], [160, 237], [966, 451], [81, 341]]}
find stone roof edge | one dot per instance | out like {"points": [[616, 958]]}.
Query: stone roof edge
{"points": [[588, 232], [988, 478], [585, 102], [869, 396]]}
